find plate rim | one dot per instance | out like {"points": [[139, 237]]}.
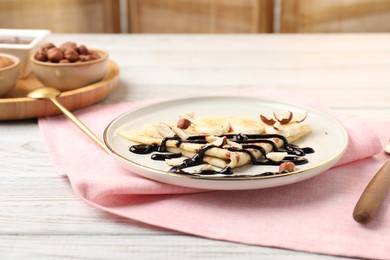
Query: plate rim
{"points": [[336, 157]]}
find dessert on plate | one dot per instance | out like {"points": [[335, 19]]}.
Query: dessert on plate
{"points": [[221, 144]]}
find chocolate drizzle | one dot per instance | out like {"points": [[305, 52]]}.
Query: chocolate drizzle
{"points": [[248, 142]]}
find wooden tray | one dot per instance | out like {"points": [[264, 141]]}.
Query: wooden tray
{"points": [[17, 106]]}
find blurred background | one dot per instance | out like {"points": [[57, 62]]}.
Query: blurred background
{"points": [[197, 16]]}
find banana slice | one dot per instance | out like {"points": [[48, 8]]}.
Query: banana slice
{"points": [[246, 125], [212, 125], [290, 129]]}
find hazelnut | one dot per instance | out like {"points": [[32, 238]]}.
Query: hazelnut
{"points": [[287, 167], [277, 126], [68, 45], [71, 55], [67, 52], [47, 46], [300, 117], [55, 54], [183, 123], [40, 56], [82, 49]]}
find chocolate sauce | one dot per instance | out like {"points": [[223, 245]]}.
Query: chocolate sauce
{"points": [[195, 160], [164, 156], [296, 154], [143, 148]]}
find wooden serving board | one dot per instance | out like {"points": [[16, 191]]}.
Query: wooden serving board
{"points": [[16, 105]]}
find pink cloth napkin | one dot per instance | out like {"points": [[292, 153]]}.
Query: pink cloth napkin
{"points": [[314, 215]]}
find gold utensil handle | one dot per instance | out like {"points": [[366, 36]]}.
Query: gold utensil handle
{"points": [[80, 124], [373, 195]]}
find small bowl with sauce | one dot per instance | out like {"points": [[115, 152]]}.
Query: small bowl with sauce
{"points": [[22, 44], [9, 72], [69, 66]]}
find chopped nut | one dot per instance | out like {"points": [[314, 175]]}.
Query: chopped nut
{"points": [[277, 126], [266, 120], [287, 167], [299, 118], [183, 123], [283, 117]]}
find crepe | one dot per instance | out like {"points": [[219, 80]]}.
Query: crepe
{"points": [[218, 138]]}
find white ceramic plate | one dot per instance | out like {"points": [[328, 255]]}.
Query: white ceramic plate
{"points": [[329, 140]]}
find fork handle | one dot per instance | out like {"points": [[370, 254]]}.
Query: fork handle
{"points": [[373, 196]]}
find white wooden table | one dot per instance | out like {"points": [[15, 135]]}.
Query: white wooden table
{"points": [[40, 216]]}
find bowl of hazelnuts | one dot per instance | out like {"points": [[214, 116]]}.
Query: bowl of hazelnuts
{"points": [[69, 66]]}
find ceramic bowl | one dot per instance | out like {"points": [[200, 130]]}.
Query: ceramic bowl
{"points": [[22, 43], [9, 75], [68, 76]]}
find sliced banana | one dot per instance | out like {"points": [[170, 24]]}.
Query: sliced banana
{"points": [[287, 130], [139, 136], [212, 125], [246, 125]]}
